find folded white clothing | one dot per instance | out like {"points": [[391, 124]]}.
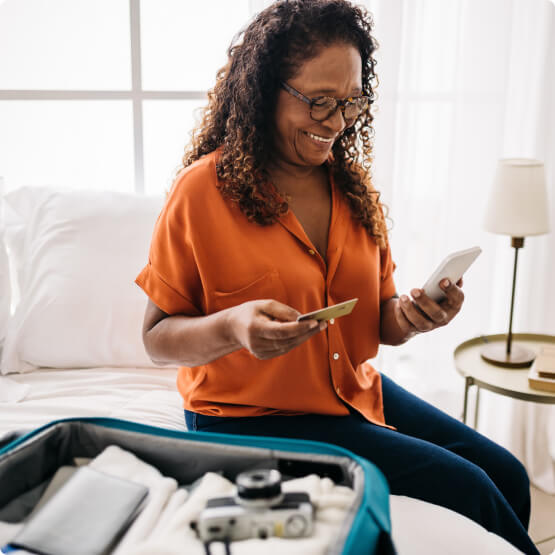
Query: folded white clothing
{"points": [[176, 533], [175, 501], [176, 538], [116, 461], [163, 527]]}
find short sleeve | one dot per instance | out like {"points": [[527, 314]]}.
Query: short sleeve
{"points": [[171, 277], [387, 267]]}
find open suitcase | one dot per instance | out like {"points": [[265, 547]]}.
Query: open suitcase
{"points": [[28, 463]]}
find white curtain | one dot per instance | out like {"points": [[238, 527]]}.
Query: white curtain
{"points": [[462, 84]]}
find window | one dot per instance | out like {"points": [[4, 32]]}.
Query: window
{"points": [[103, 94]]}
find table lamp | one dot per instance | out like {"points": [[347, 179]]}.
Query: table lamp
{"points": [[517, 207]]}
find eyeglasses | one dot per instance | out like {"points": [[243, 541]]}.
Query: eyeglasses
{"points": [[323, 107]]}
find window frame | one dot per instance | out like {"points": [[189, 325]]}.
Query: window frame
{"points": [[137, 95]]}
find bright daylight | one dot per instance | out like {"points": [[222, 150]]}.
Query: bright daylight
{"points": [[276, 276]]}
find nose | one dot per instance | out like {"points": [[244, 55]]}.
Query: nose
{"points": [[336, 122]]}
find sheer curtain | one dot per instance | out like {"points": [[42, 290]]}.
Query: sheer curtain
{"points": [[463, 83]]}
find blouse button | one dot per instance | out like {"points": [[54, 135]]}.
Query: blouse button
{"points": [[311, 251], [332, 321], [335, 356]]}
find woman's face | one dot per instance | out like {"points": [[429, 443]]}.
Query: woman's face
{"points": [[299, 140]]}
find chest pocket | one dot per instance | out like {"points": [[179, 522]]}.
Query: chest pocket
{"points": [[267, 286]]}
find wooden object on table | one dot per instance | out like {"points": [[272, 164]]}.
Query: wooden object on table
{"points": [[537, 382], [542, 373], [545, 362]]}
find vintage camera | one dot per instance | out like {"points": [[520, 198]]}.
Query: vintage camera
{"points": [[259, 510]]}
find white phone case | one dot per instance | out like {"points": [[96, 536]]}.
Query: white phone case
{"points": [[452, 267]]}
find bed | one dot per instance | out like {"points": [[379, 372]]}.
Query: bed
{"points": [[136, 394], [70, 319]]}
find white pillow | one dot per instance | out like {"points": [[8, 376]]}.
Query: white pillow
{"points": [[76, 255], [5, 289], [5, 286]]}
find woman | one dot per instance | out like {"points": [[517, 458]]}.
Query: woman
{"points": [[274, 216]]}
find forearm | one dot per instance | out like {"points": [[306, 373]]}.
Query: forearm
{"points": [[391, 332], [190, 340]]}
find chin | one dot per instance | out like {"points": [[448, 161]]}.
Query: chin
{"points": [[311, 158], [317, 159]]}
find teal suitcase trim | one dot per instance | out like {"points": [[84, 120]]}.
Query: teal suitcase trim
{"points": [[374, 510]]}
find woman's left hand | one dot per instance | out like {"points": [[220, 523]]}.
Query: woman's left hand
{"points": [[422, 314]]}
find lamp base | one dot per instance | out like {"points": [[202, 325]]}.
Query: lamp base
{"points": [[520, 357]]}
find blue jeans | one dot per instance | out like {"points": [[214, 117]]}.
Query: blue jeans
{"points": [[431, 456]]}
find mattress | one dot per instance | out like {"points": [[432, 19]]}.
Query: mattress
{"points": [[144, 395]]}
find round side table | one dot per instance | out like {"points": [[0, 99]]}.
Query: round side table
{"points": [[511, 382]]}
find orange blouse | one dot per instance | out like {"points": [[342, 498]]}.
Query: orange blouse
{"points": [[206, 256]]}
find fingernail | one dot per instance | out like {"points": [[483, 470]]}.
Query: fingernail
{"points": [[415, 293], [323, 325], [404, 298], [314, 325], [446, 283]]}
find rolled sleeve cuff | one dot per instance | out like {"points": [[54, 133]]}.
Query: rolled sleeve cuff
{"points": [[163, 295]]}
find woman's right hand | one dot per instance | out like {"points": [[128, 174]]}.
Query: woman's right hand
{"points": [[268, 328]]}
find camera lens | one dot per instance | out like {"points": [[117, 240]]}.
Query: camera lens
{"points": [[259, 487], [295, 525]]}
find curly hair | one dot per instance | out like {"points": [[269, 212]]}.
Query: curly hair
{"points": [[238, 121]]}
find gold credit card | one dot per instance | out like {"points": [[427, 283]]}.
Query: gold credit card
{"points": [[334, 311]]}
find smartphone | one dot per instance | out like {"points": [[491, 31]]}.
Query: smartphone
{"points": [[453, 267], [334, 311]]}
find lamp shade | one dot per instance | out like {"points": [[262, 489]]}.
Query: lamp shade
{"points": [[517, 205]]}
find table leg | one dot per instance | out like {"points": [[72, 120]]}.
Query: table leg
{"points": [[477, 407], [468, 381]]}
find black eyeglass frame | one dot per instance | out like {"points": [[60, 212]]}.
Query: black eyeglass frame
{"points": [[341, 104]]}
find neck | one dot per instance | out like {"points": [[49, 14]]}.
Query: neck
{"points": [[291, 177], [287, 170]]}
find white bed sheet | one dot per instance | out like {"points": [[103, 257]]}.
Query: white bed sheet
{"points": [[149, 396], [144, 395]]}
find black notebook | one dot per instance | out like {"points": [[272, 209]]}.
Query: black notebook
{"points": [[85, 517]]}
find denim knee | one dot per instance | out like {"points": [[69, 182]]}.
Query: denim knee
{"points": [[521, 472], [516, 488], [518, 474]]}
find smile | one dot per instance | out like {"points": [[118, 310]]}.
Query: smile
{"points": [[318, 138]]}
